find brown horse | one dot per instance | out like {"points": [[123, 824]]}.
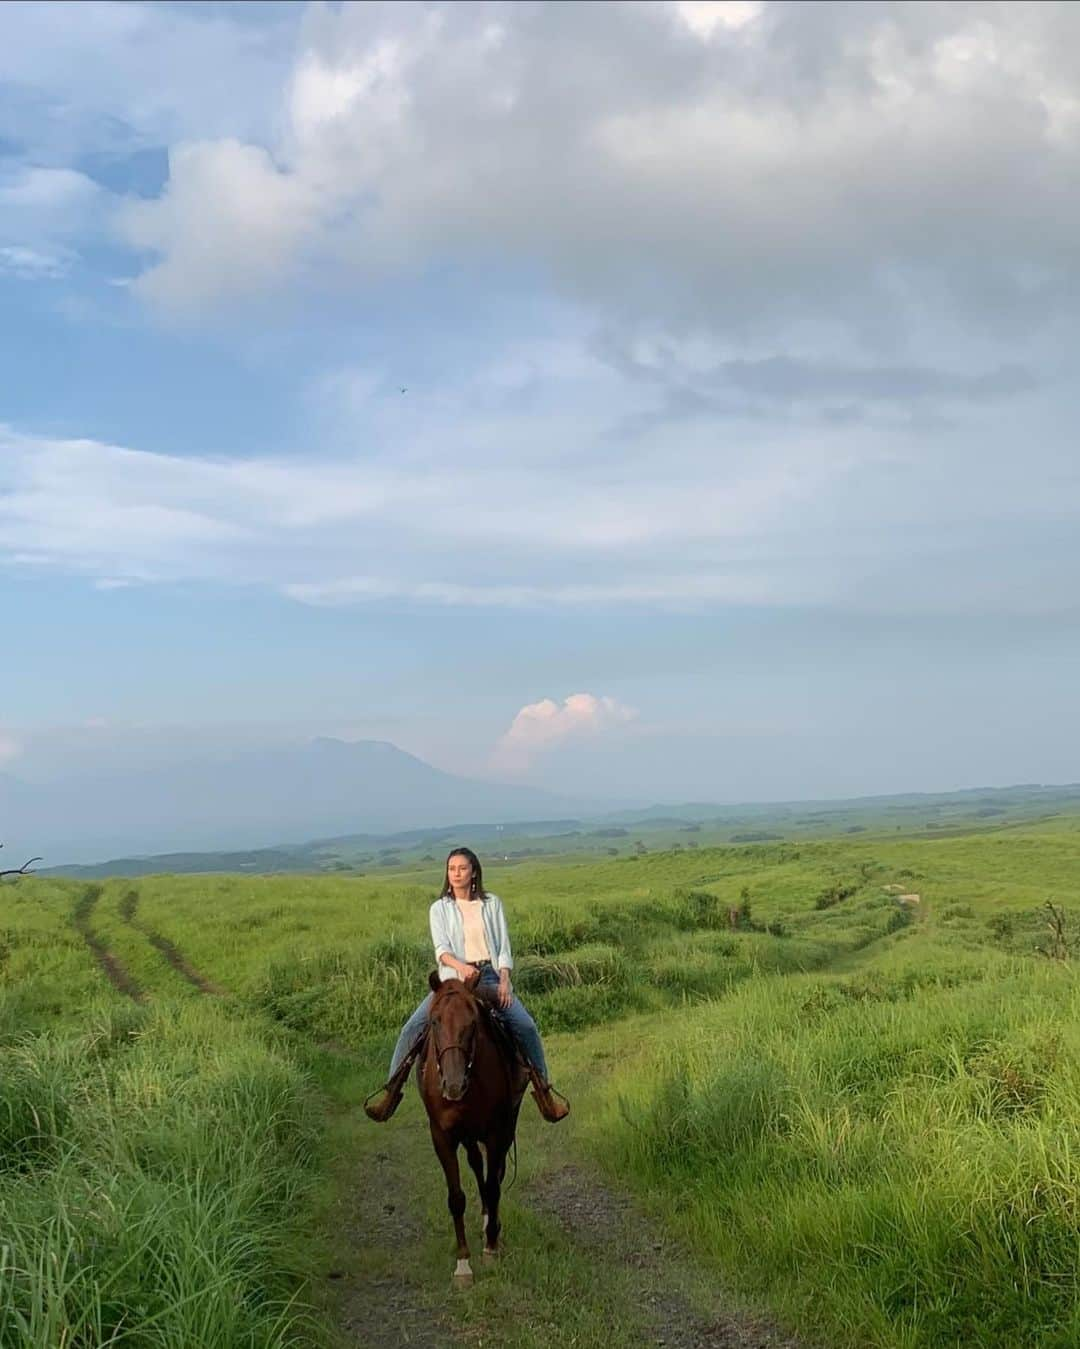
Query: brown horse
{"points": [[471, 1085]]}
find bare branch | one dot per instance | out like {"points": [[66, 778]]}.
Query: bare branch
{"points": [[24, 870]]}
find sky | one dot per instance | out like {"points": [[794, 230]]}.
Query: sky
{"points": [[669, 401]]}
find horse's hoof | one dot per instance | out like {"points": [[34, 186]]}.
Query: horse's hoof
{"points": [[463, 1275], [488, 1256]]}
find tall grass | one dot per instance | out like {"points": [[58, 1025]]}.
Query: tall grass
{"points": [[892, 1160], [866, 1114], [146, 1164]]}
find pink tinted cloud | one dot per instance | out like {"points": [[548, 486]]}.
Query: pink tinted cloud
{"points": [[539, 727]]}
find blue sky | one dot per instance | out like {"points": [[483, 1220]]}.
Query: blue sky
{"points": [[736, 453]]}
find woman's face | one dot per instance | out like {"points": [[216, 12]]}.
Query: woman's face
{"points": [[459, 869]]}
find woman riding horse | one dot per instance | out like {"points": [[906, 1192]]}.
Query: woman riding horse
{"points": [[472, 943]]}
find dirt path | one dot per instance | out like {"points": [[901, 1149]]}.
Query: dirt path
{"points": [[606, 1225], [375, 1293], [382, 1301], [583, 1267], [110, 964], [172, 953]]}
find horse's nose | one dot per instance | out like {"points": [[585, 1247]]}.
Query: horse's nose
{"points": [[452, 1092]]}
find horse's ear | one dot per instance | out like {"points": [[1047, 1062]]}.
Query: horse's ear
{"points": [[434, 982]]}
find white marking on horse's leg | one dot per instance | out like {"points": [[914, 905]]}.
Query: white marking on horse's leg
{"points": [[485, 1222], [463, 1275]]}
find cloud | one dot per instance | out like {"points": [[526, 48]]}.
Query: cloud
{"points": [[257, 217], [160, 74], [699, 379], [402, 525], [866, 168], [542, 726], [46, 204], [425, 507], [34, 264], [10, 748], [30, 188]]}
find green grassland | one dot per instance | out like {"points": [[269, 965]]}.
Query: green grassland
{"points": [[862, 1112]]}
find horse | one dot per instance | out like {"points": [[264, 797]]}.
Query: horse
{"points": [[471, 1083]]}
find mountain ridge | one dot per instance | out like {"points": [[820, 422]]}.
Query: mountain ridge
{"points": [[321, 789]]}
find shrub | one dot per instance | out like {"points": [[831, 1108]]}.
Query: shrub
{"points": [[835, 894], [691, 909]]}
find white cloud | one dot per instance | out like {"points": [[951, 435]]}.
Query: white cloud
{"points": [[48, 190], [229, 217], [159, 74], [10, 748], [34, 264], [46, 205], [397, 526], [704, 17], [540, 727], [427, 507], [856, 166]]}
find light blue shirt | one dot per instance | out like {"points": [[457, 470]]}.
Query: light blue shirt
{"points": [[448, 932]]}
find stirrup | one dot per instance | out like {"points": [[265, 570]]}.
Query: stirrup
{"points": [[394, 1088], [384, 1107], [545, 1094]]}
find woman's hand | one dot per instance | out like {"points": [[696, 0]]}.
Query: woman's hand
{"points": [[463, 970], [506, 994]]}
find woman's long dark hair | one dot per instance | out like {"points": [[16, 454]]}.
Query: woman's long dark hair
{"points": [[477, 883]]}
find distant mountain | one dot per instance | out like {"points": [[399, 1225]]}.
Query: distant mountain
{"points": [[254, 799], [664, 826]]}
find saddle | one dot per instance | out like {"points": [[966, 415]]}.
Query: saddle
{"points": [[518, 1066]]}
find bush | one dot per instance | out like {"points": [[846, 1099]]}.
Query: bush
{"points": [[567, 1009], [689, 910], [835, 894], [593, 964], [548, 931]]}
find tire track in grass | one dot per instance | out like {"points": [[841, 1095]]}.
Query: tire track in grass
{"points": [[172, 953], [109, 963]]}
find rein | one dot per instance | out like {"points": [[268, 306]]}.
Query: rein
{"points": [[461, 1050]]}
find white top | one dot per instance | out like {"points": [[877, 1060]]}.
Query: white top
{"points": [[448, 932], [472, 917]]}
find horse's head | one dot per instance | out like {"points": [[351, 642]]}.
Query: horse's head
{"points": [[454, 1017]]}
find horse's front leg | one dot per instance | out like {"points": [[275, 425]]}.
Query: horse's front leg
{"points": [[497, 1148], [476, 1161], [446, 1151]]}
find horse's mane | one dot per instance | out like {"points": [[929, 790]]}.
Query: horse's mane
{"points": [[483, 997], [449, 988]]}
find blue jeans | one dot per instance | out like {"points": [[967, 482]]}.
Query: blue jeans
{"points": [[516, 1018]]}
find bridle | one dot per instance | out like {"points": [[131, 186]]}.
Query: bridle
{"points": [[446, 1050], [468, 1065]]}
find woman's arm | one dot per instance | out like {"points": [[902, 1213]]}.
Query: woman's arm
{"points": [[504, 960], [503, 957], [440, 939], [460, 967]]}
